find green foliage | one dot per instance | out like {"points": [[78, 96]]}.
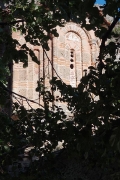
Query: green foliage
{"points": [[117, 29]]}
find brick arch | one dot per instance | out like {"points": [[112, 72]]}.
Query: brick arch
{"points": [[61, 56], [73, 32], [85, 41], [76, 29], [90, 43], [88, 34]]}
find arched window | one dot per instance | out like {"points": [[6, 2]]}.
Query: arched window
{"points": [[73, 58]]}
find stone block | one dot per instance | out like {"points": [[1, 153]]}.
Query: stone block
{"points": [[55, 51], [22, 92], [79, 74], [61, 53], [78, 57], [23, 75], [16, 75], [67, 73], [86, 57], [30, 94], [30, 74], [67, 55], [62, 39]]}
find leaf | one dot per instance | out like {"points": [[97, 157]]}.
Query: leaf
{"points": [[112, 139], [118, 146], [86, 155]]}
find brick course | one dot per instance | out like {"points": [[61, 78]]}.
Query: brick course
{"points": [[71, 37]]}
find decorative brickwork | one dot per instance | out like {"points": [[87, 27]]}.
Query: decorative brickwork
{"points": [[72, 39]]}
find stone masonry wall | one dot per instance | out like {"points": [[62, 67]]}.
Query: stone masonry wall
{"points": [[71, 53]]}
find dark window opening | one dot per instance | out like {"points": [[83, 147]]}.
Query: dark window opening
{"points": [[72, 54], [71, 66]]}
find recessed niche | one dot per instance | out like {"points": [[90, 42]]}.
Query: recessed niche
{"points": [[71, 66]]}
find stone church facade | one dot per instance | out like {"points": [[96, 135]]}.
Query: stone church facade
{"points": [[69, 57]]}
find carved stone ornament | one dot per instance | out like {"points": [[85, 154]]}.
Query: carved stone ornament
{"points": [[72, 36]]}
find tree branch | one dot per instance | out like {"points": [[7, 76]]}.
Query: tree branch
{"points": [[52, 65], [11, 92], [104, 38]]}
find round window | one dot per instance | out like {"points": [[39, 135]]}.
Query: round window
{"points": [[71, 60]]}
